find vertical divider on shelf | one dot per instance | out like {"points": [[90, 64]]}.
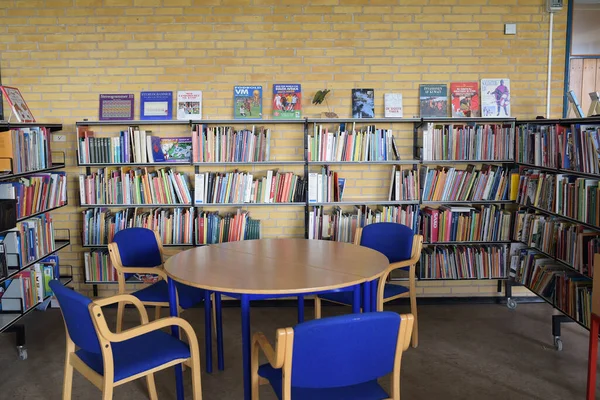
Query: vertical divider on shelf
{"points": [[305, 158]]}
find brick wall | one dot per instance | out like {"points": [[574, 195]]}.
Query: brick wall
{"points": [[63, 53]]}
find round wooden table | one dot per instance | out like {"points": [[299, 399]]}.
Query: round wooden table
{"points": [[257, 269]]}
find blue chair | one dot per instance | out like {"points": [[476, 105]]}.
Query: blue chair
{"points": [[403, 249], [110, 359], [334, 358]]}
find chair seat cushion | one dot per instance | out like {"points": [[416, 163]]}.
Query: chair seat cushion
{"points": [[346, 297], [363, 391], [159, 292], [138, 354]]}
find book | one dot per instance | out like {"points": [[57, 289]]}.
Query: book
{"points": [[176, 149], [247, 102], [116, 107], [29, 149], [433, 100], [495, 97], [464, 98], [464, 262], [189, 104], [156, 105], [363, 103], [287, 101], [17, 104], [393, 105]]}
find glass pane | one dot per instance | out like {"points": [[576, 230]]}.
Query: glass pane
{"points": [[586, 28]]}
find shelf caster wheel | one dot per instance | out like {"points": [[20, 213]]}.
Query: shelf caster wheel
{"points": [[22, 352], [558, 344], [511, 304]]}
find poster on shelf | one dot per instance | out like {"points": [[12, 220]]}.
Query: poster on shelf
{"points": [[495, 97], [17, 104], [156, 105], [287, 101], [189, 105], [116, 107]]}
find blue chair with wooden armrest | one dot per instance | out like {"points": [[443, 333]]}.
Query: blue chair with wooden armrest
{"points": [[334, 358], [109, 359], [140, 251], [403, 249]]}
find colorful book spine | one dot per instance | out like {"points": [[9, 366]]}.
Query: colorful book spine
{"points": [[211, 227], [36, 237], [98, 267], [225, 144], [464, 262], [25, 150], [36, 193]]}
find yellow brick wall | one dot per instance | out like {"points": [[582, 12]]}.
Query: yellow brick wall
{"points": [[63, 53]]}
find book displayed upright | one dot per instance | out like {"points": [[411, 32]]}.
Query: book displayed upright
{"points": [[393, 105], [363, 103], [156, 105], [287, 101], [17, 104], [464, 98], [247, 102], [189, 104], [433, 100], [495, 97], [116, 107]]}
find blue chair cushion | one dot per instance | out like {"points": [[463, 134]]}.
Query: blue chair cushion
{"points": [[138, 354], [159, 292], [363, 391], [346, 297]]}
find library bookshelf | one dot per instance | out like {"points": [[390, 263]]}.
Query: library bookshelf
{"points": [[40, 170]]}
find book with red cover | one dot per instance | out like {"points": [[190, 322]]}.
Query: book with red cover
{"points": [[464, 97], [17, 103]]}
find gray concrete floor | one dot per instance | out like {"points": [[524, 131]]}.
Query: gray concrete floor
{"points": [[465, 352]]}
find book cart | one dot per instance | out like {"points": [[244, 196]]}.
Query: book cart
{"points": [[13, 309]]}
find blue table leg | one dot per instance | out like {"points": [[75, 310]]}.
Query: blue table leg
{"points": [[246, 345], [175, 332], [219, 318], [208, 330], [367, 297], [300, 309], [356, 300], [374, 294]]}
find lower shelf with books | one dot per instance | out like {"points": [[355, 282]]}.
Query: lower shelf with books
{"points": [[12, 271], [13, 307], [457, 262]]}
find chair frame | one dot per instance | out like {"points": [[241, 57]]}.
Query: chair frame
{"points": [[417, 247], [105, 381], [282, 355]]}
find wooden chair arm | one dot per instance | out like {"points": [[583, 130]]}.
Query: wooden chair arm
{"points": [[275, 358], [125, 298], [407, 320], [145, 270]]}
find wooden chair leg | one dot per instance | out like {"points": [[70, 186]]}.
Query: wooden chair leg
{"points": [[157, 313], [413, 310], [317, 307], [68, 380], [107, 391], [151, 387], [120, 312]]}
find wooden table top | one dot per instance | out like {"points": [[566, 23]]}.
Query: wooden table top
{"points": [[276, 266]]}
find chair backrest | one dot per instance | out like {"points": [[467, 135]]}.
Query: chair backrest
{"points": [[138, 247], [344, 350], [75, 311], [393, 240]]}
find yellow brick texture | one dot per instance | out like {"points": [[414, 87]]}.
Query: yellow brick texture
{"points": [[63, 53]]}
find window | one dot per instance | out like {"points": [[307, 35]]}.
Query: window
{"points": [[586, 28]]}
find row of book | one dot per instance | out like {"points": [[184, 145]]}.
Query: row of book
{"points": [[134, 186], [463, 262], [563, 194], [174, 225], [341, 226], [134, 145], [27, 288], [214, 228], [325, 186], [370, 144], [36, 193], [98, 266], [466, 224], [566, 241], [574, 147], [468, 142], [491, 183], [243, 187], [24, 150], [30, 240], [225, 144], [567, 290], [404, 184]]}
